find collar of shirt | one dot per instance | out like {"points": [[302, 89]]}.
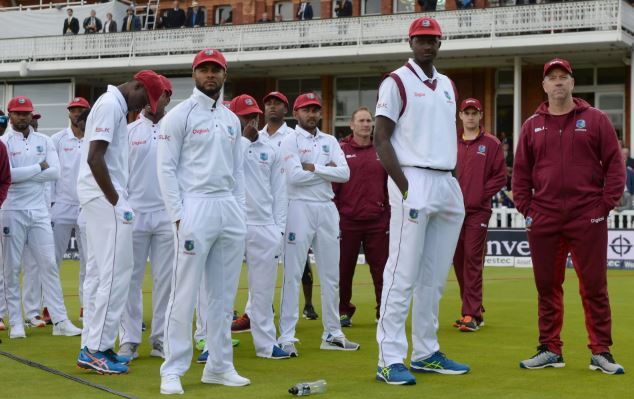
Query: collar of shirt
{"points": [[204, 100], [266, 133], [146, 120], [20, 135], [117, 93], [307, 134], [422, 74], [71, 135]]}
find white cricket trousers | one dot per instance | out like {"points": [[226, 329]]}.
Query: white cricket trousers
{"points": [[32, 298], [210, 245], [262, 248], [309, 224], [32, 226], [152, 236], [424, 231], [108, 271], [201, 312]]}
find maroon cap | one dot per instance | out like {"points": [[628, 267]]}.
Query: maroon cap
{"points": [[153, 86], [470, 103], [306, 99], [78, 102], [167, 85], [425, 26], [209, 55], [276, 94], [20, 104], [244, 104], [37, 115], [557, 62]]}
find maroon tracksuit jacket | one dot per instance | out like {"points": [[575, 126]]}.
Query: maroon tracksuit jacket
{"points": [[5, 173], [364, 213], [567, 176]]}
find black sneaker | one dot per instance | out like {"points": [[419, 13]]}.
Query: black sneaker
{"points": [[309, 313]]}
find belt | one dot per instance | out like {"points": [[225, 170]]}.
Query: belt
{"points": [[434, 169]]}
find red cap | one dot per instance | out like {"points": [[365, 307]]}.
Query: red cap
{"points": [[557, 62], [37, 115], [210, 55], [78, 102], [278, 95], [306, 99], [153, 86], [20, 104], [167, 85], [226, 103], [244, 104], [425, 26], [470, 103]]}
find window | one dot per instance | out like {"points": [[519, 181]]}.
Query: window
{"points": [[611, 76], [370, 7], [223, 15], [292, 88], [50, 100], [283, 9], [350, 94], [504, 103], [613, 105], [404, 6]]}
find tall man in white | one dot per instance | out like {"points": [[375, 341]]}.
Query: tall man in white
{"points": [[202, 182], [152, 233], [313, 160], [417, 143], [101, 188], [25, 218]]}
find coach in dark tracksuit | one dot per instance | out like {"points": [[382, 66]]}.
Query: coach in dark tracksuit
{"points": [[364, 213], [567, 176], [481, 173]]}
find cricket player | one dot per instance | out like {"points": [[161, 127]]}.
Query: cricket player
{"points": [[25, 218], [202, 182], [101, 188], [266, 204], [152, 233], [416, 140], [313, 161], [567, 176], [5, 183], [481, 173]]}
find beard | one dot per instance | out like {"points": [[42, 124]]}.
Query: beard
{"points": [[211, 93]]}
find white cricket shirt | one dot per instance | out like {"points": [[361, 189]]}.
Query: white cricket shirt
{"points": [[68, 149], [302, 147], [277, 137], [28, 180], [106, 122], [199, 153], [425, 134]]}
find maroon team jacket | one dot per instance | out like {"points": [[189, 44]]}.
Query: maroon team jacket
{"points": [[480, 170], [364, 197], [568, 164], [5, 173]]}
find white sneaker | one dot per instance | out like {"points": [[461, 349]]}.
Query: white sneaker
{"points": [[17, 331], [129, 350], [66, 328], [171, 385], [157, 350], [230, 378], [37, 322], [338, 344]]}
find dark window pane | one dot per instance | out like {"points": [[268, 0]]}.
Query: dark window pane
{"points": [[611, 76]]}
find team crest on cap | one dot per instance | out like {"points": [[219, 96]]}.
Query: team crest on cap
{"points": [[425, 23], [264, 156], [310, 96], [76, 99], [580, 124], [291, 237], [325, 148], [248, 101], [209, 52], [21, 100]]}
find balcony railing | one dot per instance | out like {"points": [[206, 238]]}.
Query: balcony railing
{"points": [[488, 23]]}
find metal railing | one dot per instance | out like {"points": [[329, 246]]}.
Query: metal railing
{"points": [[510, 218], [594, 15]]}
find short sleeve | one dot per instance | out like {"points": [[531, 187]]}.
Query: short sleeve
{"points": [[103, 120], [389, 102]]}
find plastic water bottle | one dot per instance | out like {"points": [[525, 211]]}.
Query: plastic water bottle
{"points": [[308, 388]]}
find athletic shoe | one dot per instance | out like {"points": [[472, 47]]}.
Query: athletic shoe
{"points": [[101, 362], [2, 326], [118, 358], [46, 317], [289, 347], [157, 350], [438, 363], [230, 379], [469, 324], [202, 358], [235, 342], [542, 359], [395, 374], [171, 385], [200, 344], [338, 344], [605, 363], [128, 350], [345, 320], [458, 322], [17, 331], [241, 324], [309, 313], [235, 315], [279, 354], [66, 328], [81, 314], [36, 322]]}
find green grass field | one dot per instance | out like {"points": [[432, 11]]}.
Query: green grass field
{"points": [[509, 336]]}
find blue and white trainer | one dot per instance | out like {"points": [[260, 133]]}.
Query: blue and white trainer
{"points": [[395, 374], [542, 359], [202, 358], [438, 363], [101, 362], [605, 363], [279, 354]]}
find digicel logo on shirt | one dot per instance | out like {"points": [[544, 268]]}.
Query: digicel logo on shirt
{"points": [[139, 142], [200, 131]]}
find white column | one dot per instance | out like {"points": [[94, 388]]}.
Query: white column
{"points": [[517, 100]]}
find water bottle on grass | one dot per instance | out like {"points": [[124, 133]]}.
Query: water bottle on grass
{"points": [[308, 388]]}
